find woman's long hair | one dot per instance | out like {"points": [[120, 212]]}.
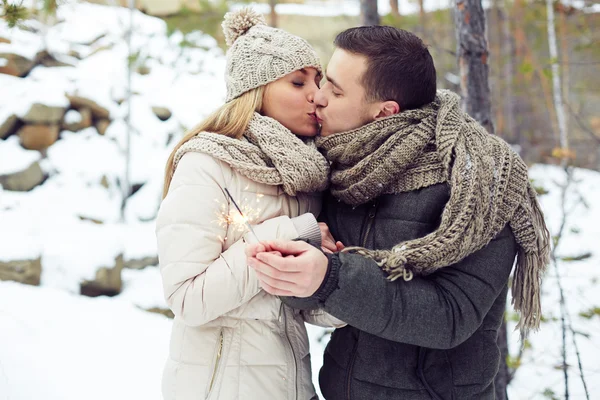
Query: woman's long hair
{"points": [[231, 119]]}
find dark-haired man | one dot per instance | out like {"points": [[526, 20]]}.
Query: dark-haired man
{"points": [[433, 210]]}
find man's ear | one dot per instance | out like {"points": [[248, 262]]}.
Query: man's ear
{"points": [[386, 109]]}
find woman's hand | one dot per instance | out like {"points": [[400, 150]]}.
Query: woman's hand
{"points": [[328, 243]]}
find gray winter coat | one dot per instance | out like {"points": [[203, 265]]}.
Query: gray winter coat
{"points": [[433, 337]]}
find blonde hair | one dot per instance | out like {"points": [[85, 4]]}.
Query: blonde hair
{"points": [[231, 119]]}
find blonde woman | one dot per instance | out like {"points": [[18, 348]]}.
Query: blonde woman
{"points": [[230, 339]]}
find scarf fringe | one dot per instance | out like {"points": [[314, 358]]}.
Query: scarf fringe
{"points": [[527, 278]]}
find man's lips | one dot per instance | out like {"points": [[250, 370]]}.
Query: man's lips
{"points": [[314, 117]]}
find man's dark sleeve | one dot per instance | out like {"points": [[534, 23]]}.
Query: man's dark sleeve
{"points": [[437, 311]]}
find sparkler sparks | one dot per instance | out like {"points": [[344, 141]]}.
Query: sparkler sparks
{"points": [[240, 218]]}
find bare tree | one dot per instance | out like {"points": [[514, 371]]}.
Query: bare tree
{"points": [[472, 52], [368, 12], [126, 186], [556, 78]]}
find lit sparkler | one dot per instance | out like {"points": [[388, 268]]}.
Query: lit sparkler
{"points": [[240, 219]]}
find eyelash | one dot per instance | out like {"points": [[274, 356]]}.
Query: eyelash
{"points": [[298, 84]]}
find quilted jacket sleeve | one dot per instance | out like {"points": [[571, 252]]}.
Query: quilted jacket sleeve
{"points": [[201, 280]]}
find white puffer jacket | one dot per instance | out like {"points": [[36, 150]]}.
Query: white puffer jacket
{"points": [[230, 339]]}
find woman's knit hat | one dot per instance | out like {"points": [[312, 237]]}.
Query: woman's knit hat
{"points": [[260, 54]]}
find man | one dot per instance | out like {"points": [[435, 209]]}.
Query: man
{"points": [[434, 211]]}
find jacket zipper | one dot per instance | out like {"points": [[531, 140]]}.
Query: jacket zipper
{"points": [[350, 367], [217, 361], [371, 219], [285, 326]]}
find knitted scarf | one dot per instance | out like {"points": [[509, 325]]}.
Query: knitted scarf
{"points": [[489, 188], [268, 153]]}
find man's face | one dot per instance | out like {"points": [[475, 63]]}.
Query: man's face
{"points": [[341, 102]]}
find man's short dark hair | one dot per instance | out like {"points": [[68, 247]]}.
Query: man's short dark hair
{"points": [[399, 66]]}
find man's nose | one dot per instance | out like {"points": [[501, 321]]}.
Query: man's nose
{"points": [[320, 99]]}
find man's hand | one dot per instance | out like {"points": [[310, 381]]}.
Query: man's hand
{"points": [[328, 243], [299, 272]]}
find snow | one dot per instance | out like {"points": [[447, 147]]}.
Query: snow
{"points": [[60, 346], [72, 117], [57, 344], [14, 157]]}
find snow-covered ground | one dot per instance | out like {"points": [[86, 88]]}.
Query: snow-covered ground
{"points": [[56, 344]]}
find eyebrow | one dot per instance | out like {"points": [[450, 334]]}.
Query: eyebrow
{"points": [[333, 82]]}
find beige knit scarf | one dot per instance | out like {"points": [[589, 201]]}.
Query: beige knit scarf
{"points": [[268, 153], [489, 188]]}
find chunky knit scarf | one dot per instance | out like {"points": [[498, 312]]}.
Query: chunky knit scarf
{"points": [[268, 153], [489, 188]]}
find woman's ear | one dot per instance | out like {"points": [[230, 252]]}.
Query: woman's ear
{"points": [[387, 108]]}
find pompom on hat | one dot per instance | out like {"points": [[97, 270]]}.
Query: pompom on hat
{"points": [[259, 54]]}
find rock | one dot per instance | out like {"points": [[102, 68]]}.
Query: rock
{"points": [[163, 311], [76, 120], [162, 113], [102, 125], [14, 64], [23, 181], [4, 40], [43, 114], [38, 137], [23, 271], [107, 282], [141, 263], [98, 112], [8, 126]]}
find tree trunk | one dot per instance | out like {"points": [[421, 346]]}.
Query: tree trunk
{"points": [[368, 12], [395, 8], [273, 3], [472, 52], [423, 18]]}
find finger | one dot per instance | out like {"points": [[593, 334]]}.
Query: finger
{"points": [[275, 283], [274, 291], [287, 264], [329, 244], [340, 246], [278, 254], [254, 248], [289, 247], [326, 250], [268, 270]]}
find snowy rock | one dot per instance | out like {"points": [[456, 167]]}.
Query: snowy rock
{"points": [[8, 123], [19, 170], [107, 281], [15, 64], [141, 263], [38, 137], [22, 271], [25, 180], [102, 125], [81, 102], [39, 113], [76, 120]]}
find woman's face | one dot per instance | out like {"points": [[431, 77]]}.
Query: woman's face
{"points": [[290, 100]]}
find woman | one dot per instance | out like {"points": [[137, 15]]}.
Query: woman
{"points": [[231, 339]]}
